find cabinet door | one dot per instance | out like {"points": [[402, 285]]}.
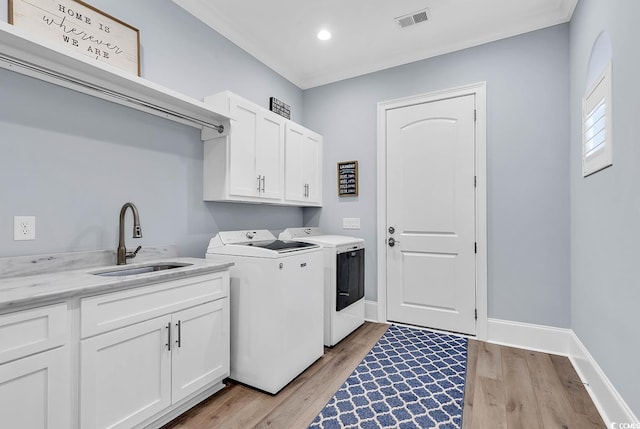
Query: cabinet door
{"points": [[269, 155], [243, 179], [34, 391], [201, 347], [312, 166], [295, 188], [303, 165], [125, 375]]}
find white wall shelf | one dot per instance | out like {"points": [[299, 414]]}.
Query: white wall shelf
{"points": [[48, 62]]}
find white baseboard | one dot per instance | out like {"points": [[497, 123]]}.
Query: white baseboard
{"points": [[565, 342], [606, 398], [540, 338], [371, 311]]}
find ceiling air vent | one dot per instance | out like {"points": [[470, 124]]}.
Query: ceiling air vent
{"points": [[412, 18]]}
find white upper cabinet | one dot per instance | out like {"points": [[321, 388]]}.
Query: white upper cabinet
{"points": [[255, 151], [260, 152], [303, 165]]}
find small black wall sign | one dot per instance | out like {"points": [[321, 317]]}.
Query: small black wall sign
{"points": [[348, 179], [279, 107]]}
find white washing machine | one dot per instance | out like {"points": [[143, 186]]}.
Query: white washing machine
{"points": [[343, 280], [276, 306]]}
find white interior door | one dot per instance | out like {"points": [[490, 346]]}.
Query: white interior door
{"points": [[431, 208]]}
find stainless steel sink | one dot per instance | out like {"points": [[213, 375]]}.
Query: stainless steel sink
{"points": [[141, 269]]}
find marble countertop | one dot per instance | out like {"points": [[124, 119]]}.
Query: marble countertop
{"points": [[32, 289]]}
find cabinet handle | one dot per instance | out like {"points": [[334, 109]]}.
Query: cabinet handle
{"points": [[259, 177], [168, 336], [179, 340], [263, 180]]}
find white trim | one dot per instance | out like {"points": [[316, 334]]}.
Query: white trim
{"points": [[565, 342], [370, 311], [479, 91], [540, 338], [610, 404]]}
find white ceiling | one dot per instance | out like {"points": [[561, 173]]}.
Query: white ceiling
{"points": [[366, 38]]}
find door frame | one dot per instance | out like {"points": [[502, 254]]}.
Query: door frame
{"points": [[479, 91]]}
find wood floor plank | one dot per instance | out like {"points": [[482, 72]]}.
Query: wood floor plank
{"points": [[469, 388], [489, 411], [520, 398], [555, 410], [577, 395], [489, 361]]}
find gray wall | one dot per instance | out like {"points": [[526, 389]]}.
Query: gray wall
{"points": [[72, 160], [527, 149], [605, 207]]}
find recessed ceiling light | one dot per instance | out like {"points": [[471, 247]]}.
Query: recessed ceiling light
{"points": [[324, 35]]}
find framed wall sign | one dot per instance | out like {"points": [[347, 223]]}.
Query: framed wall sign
{"points": [[348, 179], [82, 28]]}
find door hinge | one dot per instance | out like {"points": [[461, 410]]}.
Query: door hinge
{"points": [[475, 115], [476, 314], [475, 247], [475, 181]]}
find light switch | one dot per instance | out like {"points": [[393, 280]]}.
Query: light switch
{"points": [[351, 223]]}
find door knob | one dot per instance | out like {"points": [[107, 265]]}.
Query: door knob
{"points": [[392, 241]]}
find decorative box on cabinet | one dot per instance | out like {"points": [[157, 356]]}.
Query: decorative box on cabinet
{"points": [[148, 349], [35, 368], [265, 158]]}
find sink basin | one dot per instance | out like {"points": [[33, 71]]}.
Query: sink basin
{"points": [[141, 269]]}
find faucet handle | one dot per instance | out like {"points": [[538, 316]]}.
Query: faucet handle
{"points": [[134, 253]]}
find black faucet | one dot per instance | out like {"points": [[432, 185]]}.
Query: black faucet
{"points": [[122, 254]]}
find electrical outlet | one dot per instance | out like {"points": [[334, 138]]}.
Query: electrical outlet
{"points": [[351, 223], [24, 228]]}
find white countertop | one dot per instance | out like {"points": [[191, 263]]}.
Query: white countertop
{"points": [[26, 290]]}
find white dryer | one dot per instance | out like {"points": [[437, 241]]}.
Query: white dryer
{"points": [[276, 306], [343, 280]]}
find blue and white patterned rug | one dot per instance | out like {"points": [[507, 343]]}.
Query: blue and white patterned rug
{"points": [[412, 378]]}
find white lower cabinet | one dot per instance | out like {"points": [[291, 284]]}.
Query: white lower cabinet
{"points": [[34, 368], [34, 391], [135, 374], [125, 375], [133, 358], [200, 354]]}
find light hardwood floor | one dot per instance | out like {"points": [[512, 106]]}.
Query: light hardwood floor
{"points": [[505, 388]]}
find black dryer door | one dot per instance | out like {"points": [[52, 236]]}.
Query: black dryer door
{"points": [[350, 278]]}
